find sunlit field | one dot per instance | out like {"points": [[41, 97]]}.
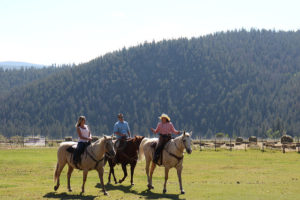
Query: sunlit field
{"points": [[27, 173]]}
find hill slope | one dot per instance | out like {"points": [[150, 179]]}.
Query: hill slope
{"points": [[242, 83], [14, 78]]}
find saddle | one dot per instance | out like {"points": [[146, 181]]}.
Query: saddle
{"points": [[160, 159], [72, 148]]}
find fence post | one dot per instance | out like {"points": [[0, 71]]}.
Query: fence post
{"points": [[215, 143], [283, 148], [200, 143], [230, 144], [298, 145]]}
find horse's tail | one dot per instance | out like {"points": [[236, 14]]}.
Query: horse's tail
{"points": [[56, 173], [141, 150]]}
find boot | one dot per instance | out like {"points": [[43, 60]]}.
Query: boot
{"points": [[156, 157]]}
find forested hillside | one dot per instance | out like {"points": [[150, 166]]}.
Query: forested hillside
{"points": [[240, 83], [13, 78]]}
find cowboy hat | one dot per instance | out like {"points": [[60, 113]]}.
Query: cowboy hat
{"points": [[164, 116]]}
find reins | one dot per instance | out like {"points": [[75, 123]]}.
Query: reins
{"points": [[95, 160], [171, 154]]}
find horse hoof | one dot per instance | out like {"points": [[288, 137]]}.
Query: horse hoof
{"points": [[182, 192], [56, 187], [164, 191], [132, 184], [105, 193], [150, 187], [70, 190]]}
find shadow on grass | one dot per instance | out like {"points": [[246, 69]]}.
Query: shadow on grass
{"points": [[65, 195], [148, 194]]}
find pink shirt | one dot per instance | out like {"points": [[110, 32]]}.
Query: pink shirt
{"points": [[166, 128]]}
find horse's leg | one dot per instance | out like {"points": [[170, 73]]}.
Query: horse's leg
{"points": [[100, 174], [85, 172], [147, 171], [150, 186], [70, 170], [179, 170], [113, 173], [132, 166], [58, 170], [125, 173], [110, 171], [166, 179]]}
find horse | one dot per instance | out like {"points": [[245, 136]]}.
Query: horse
{"points": [[172, 156], [128, 155], [92, 158]]}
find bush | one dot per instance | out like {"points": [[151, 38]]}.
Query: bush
{"points": [[220, 135], [68, 138], [252, 139], [239, 139], [286, 139], [16, 139]]}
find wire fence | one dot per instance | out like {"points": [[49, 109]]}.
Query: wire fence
{"points": [[200, 144]]}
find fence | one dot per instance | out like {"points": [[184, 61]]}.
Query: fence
{"points": [[201, 144], [260, 144]]}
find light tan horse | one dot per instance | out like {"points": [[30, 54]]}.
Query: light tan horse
{"points": [[92, 158], [172, 156]]}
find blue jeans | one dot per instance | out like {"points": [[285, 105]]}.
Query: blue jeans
{"points": [[79, 150]]}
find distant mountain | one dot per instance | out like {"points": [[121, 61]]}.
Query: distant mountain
{"points": [[19, 65], [239, 82]]}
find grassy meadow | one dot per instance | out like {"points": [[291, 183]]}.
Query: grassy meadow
{"points": [[27, 173]]}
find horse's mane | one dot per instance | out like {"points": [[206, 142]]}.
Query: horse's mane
{"points": [[98, 141], [134, 139]]}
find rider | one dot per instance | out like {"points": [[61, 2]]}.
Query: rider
{"points": [[122, 132], [165, 128], [84, 138]]}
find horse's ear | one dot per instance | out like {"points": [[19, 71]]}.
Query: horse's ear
{"points": [[191, 133], [105, 137], [183, 133]]}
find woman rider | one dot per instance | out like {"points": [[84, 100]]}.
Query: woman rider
{"points": [[84, 138], [165, 128]]}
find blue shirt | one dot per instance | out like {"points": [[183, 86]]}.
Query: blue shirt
{"points": [[121, 127]]}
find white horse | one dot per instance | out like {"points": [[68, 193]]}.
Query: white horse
{"points": [[92, 158], [172, 156]]}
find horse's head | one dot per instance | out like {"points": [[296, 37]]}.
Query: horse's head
{"points": [[187, 141], [109, 147]]}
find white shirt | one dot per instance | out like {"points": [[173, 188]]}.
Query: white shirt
{"points": [[85, 132]]}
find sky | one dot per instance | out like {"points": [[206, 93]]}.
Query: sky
{"points": [[76, 31]]}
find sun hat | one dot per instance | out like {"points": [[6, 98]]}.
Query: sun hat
{"points": [[164, 116]]}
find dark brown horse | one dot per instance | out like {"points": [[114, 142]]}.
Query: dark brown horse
{"points": [[128, 155]]}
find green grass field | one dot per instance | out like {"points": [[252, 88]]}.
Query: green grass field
{"points": [[28, 174]]}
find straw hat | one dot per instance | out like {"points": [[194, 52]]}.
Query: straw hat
{"points": [[164, 116]]}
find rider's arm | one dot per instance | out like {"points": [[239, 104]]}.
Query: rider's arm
{"points": [[173, 129], [158, 127], [128, 130]]}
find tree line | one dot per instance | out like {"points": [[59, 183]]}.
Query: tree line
{"points": [[240, 83]]}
